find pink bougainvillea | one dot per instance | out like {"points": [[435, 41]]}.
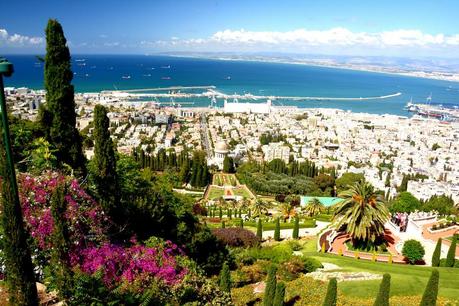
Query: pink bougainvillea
{"points": [[91, 250]]}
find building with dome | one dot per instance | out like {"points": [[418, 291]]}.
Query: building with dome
{"points": [[220, 152]]}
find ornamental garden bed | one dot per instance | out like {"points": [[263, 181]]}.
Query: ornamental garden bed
{"points": [[443, 227]]}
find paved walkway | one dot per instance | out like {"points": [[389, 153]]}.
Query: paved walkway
{"points": [[435, 236], [303, 232]]}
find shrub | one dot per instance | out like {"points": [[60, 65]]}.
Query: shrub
{"points": [[330, 298], [436, 254], [291, 269], [429, 298], [200, 210], [296, 229], [259, 230], [236, 237], [450, 258], [270, 289], [384, 292], [413, 251]]}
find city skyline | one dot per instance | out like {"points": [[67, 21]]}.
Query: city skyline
{"points": [[354, 28]]}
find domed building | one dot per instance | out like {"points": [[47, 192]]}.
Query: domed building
{"points": [[220, 152]]}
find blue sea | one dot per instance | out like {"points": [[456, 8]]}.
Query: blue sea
{"points": [[94, 73]]}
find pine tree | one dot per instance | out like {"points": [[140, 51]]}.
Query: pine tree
{"points": [[105, 176], [58, 117], [384, 292], [280, 295], [60, 262], [270, 288], [429, 298], [259, 230], [277, 230], [20, 278], [436, 254], [296, 228], [330, 298], [450, 257], [225, 278]]}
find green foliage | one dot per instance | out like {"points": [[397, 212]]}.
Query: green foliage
{"points": [[348, 179], [296, 228], [429, 298], [280, 295], [413, 251], [215, 254], [103, 171], [384, 292], [404, 184], [436, 254], [259, 230], [277, 231], [225, 278], [270, 289], [330, 298], [405, 202], [60, 261], [41, 156], [58, 117], [228, 164], [450, 257], [443, 204], [20, 279]]}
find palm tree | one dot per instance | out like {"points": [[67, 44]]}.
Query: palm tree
{"points": [[314, 207], [287, 210], [362, 213], [259, 207]]}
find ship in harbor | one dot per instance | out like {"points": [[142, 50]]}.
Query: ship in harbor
{"points": [[427, 110]]}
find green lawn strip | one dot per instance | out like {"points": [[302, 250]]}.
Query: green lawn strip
{"points": [[241, 192], [272, 225], [406, 279], [215, 193]]}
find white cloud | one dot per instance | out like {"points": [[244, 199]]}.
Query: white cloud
{"points": [[310, 40], [18, 40]]}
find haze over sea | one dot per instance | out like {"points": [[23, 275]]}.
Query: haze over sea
{"points": [[105, 72]]}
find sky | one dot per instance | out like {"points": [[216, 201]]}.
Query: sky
{"points": [[403, 28]]}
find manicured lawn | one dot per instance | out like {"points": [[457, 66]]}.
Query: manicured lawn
{"points": [[405, 279], [240, 191], [215, 193], [271, 225]]}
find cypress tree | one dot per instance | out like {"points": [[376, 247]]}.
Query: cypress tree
{"points": [[450, 257], [61, 245], [241, 223], [58, 117], [270, 289], [429, 298], [220, 213], [384, 291], [249, 213], [330, 298], [296, 228], [280, 294], [20, 278], [105, 176], [225, 278], [223, 224], [230, 213], [436, 254], [259, 230], [277, 230]]}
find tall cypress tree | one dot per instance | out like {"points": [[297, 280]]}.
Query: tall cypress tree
{"points": [[436, 254], [296, 228], [450, 257], [277, 230], [330, 298], [429, 298], [18, 263], [259, 230], [105, 176], [225, 278], [384, 292], [280, 295], [58, 119], [270, 289], [61, 245]]}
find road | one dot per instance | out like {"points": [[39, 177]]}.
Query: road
{"points": [[205, 136]]}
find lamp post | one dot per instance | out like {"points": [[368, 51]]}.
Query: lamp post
{"points": [[19, 268]]}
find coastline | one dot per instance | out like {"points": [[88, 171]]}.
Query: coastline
{"points": [[413, 74]]}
